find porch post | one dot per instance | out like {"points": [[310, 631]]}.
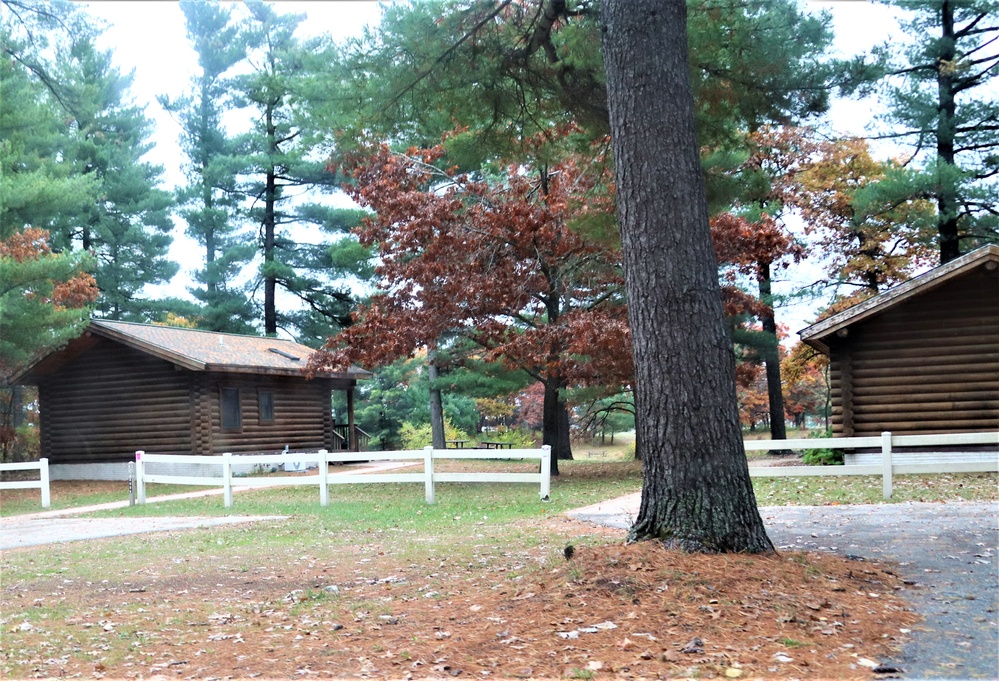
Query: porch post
{"points": [[351, 433]]}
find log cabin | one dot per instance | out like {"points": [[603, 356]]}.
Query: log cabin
{"points": [[920, 358], [122, 387]]}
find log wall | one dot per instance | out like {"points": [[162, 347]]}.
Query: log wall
{"points": [[929, 364], [302, 414], [111, 401]]}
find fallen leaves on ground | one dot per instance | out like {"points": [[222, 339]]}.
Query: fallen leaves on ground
{"points": [[499, 611]]}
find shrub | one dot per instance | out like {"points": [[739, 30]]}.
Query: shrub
{"points": [[420, 436], [520, 438], [822, 457]]}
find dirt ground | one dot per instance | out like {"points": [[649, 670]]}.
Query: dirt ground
{"points": [[609, 611]]}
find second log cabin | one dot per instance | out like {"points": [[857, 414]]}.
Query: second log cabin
{"points": [[920, 358]]}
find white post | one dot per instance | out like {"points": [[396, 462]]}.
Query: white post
{"points": [[227, 478], [546, 472], [428, 474], [886, 466], [140, 477], [324, 474], [43, 474], [131, 483]]}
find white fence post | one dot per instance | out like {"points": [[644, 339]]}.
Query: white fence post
{"points": [[428, 474], [140, 478], [324, 474], [546, 472], [227, 478], [43, 474], [886, 464]]}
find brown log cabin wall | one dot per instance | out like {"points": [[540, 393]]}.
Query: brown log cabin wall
{"points": [[927, 365], [303, 418], [111, 401]]}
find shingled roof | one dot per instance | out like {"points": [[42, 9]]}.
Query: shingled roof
{"points": [[816, 334], [199, 350]]}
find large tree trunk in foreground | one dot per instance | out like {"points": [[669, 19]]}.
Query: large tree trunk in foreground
{"points": [[697, 495]]}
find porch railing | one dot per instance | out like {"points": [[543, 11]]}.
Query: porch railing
{"points": [[341, 438]]}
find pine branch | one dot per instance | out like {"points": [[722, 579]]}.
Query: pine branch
{"points": [[446, 54]]}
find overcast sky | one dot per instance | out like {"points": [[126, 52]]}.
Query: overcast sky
{"points": [[149, 37]]}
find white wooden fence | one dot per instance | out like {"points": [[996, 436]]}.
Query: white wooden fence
{"points": [[42, 466], [887, 468], [323, 478]]}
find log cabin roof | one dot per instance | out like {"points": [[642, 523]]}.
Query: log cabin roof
{"points": [[816, 334], [192, 349]]}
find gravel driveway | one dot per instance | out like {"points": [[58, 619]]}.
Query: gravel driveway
{"points": [[947, 552]]}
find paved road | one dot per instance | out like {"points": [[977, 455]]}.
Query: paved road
{"points": [[51, 527], [37, 531], [949, 551]]}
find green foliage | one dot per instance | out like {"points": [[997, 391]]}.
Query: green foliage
{"points": [[400, 393], [33, 316], [824, 456], [520, 437], [942, 102], [282, 157], [210, 202], [419, 436], [128, 229]]}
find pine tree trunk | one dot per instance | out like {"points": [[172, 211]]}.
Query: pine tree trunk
{"points": [[270, 220], [946, 109], [697, 494]]}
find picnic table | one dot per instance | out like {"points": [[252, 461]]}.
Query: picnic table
{"points": [[455, 444], [487, 444]]}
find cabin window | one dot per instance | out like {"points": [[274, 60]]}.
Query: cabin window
{"points": [[265, 406], [231, 418]]}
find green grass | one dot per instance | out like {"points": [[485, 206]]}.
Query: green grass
{"points": [[402, 505], [71, 494], [867, 489]]}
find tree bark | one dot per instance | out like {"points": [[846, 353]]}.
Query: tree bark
{"points": [[947, 227], [564, 448], [550, 426], [771, 356], [436, 404], [270, 220], [697, 494]]}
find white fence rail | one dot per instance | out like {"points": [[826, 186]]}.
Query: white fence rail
{"points": [[323, 478], [887, 468], [42, 466]]}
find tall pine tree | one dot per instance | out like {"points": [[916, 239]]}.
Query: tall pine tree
{"points": [[211, 202], [943, 103], [128, 227], [306, 250]]}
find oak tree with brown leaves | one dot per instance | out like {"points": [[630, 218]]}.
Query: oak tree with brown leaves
{"points": [[504, 262]]}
